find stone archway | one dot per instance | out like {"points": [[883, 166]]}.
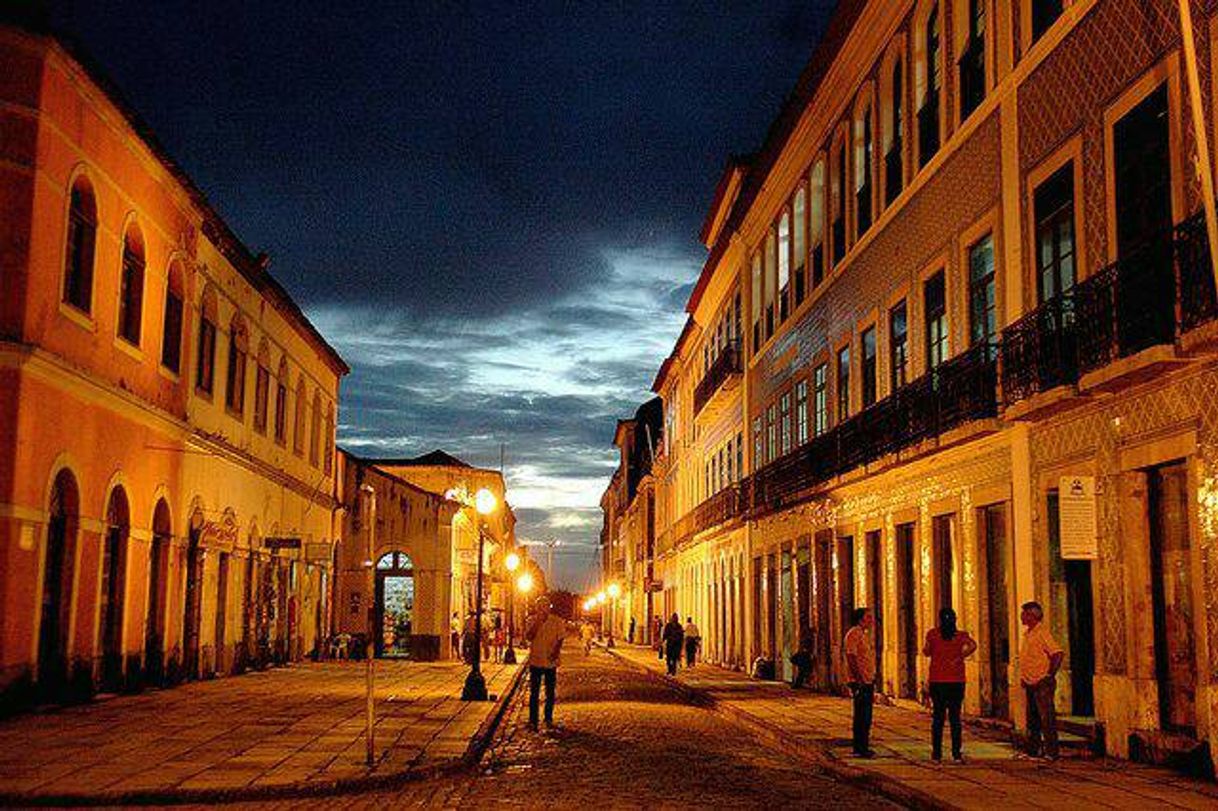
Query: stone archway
{"points": [[395, 593]]}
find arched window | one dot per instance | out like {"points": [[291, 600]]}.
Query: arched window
{"points": [[171, 328], [799, 241], [298, 424], [863, 167], [158, 581], [281, 403], [930, 83], [837, 181], [1044, 14], [771, 280], [784, 264], [57, 578], [81, 247], [971, 66], [238, 353], [893, 126], [262, 388], [328, 439], [816, 222], [315, 430], [113, 588], [756, 300], [131, 290], [205, 367]]}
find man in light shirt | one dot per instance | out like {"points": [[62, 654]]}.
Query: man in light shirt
{"points": [[545, 634], [1040, 657], [693, 637], [859, 648]]}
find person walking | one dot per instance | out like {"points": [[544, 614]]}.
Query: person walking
{"points": [[859, 648], [802, 659], [947, 648], [1040, 657], [586, 633], [693, 638], [499, 637], [545, 634], [455, 628], [674, 637]]}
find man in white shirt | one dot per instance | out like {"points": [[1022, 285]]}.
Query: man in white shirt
{"points": [[859, 647], [545, 634], [692, 639]]}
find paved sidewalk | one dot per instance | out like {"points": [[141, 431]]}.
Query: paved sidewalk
{"points": [[819, 725], [301, 726]]}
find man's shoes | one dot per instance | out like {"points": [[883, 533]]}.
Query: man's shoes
{"points": [[867, 754], [958, 757]]}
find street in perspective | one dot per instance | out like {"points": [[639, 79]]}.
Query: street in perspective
{"points": [[805, 405]]}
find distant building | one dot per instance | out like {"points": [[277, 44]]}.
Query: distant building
{"points": [[167, 414]]}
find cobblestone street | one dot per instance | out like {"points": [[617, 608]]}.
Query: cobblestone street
{"points": [[624, 739]]}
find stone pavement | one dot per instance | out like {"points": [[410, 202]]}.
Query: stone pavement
{"points": [[294, 728], [818, 725]]}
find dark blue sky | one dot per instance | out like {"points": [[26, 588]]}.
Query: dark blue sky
{"points": [[491, 210]]}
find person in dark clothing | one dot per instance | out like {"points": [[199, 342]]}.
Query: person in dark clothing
{"points": [[630, 634], [947, 648], [674, 637], [802, 659], [657, 638]]}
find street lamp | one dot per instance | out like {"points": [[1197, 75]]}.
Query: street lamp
{"points": [[525, 583], [369, 645], [614, 591], [511, 563], [475, 685]]}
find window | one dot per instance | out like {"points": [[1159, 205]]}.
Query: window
{"points": [[205, 368], [934, 293], [820, 399], [898, 342], [771, 280], [1044, 14], [799, 242], [238, 349], [784, 264], [843, 383], [894, 162], [839, 205], [131, 290], [756, 301], [931, 72], [771, 432], [784, 409], [801, 412], [982, 323], [739, 456], [972, 60], [262, 390], [82, 244], [1053, 204], [298, 424], [869, 369], [816, 224], [862, 171], [281, 404], [171, 327], [758, 448], [315, 431]]}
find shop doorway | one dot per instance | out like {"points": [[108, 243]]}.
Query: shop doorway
{"points": [[822, 591], [113, 590], [57, 577], [996, 700], [191, 604], [875, 598], [941, 554], [845, 583], [907, 615], [1172, 593], [394, 604], [158, 576], [1072, 616]]}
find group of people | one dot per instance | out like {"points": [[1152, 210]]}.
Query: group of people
{"points": [[947, 647], [464, 636], [673, 639]]}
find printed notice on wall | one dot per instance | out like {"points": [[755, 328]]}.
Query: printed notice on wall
{"points": [[1076, 517]]}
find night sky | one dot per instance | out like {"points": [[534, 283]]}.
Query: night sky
{"points": [[490, 210]]}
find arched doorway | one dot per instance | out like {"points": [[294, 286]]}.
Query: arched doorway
{"points": [[394, 604], [191, 602], [113, 587], [158, 575], [63, 520]]}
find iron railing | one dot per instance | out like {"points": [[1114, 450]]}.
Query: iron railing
{"points": [[1198, 303], [1039, 351], [718, 509], [724, 367]]}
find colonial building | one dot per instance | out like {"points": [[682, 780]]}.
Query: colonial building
{"points": [[167, 413], [966, 268]]}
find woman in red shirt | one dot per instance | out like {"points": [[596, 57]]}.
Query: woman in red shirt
{"points": [[947, 648]]}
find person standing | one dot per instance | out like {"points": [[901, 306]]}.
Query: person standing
{"points": [[630, 634], [545, 634], [586, 633], [1040, 657], [658, 637], [693, 638], [947, 648], [456, 635], [860, 667], [802, 659], [673, 638]]}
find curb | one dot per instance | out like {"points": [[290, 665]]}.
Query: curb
{"points": [[411, 773], [815, 755]]}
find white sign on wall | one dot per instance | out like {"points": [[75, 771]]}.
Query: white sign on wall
{"points": [[1076, 518]]}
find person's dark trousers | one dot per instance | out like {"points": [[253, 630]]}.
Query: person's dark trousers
{"points": [[456, 638], [946, 698], [536, 674], [864, 700], [691, 651], [674, 656], [1042, 717]]}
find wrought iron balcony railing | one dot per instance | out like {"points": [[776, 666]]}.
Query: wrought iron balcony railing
{"points": [[1039, 351], [724, 368], [1198, 303], [718, 509]]}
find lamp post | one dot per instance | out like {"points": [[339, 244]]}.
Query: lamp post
{"points": [[369, 644], [475, 684], [613, 591], [511, 563]]}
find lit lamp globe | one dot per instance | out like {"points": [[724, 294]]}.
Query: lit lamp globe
{"points": [[600, 598], [525, 583], [614, 591], [485, 501], [512, 562]]}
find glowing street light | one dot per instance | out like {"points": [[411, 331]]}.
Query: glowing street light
{"points": [[511, 563], [485, 503], [600, 598], [614, 591], [525, 583]]}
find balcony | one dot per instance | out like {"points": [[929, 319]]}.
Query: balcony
{"points": [[1121, 322], [722, 376], [719, 509], [957, 392]]}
